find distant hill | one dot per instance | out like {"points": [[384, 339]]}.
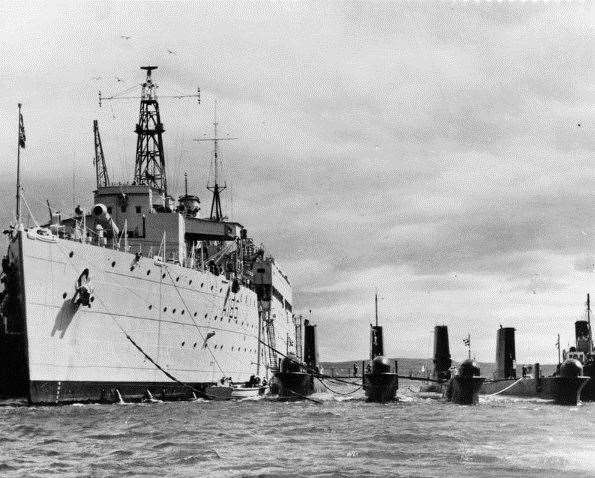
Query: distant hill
{"points": [[414, 366]]}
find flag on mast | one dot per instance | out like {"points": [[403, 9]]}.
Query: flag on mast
{"points": [[467, 341], [22, 137]]}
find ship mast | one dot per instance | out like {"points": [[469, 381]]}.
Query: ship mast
{"points": [[149, 166], [376, 306], [216, 188], [590, 344]]}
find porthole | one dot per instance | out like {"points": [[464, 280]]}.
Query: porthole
{"points": [[206, 315], [173, 311], [183, 311], [149, 271], [195, 314], [194, 345], [183, 343], [220, 289], [201, 284], [190, 282], [211, 287], [215, 317], [177, 278], [150, 306], [114, 264], [131, 268], [71, 254], [92, 299], [163, 276], [165, 309], [64, 295]]}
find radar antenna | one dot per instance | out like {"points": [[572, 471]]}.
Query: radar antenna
{"points": [[216, 188], [100, 167]]}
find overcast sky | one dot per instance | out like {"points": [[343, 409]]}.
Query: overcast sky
{"points": [[441, 152]]}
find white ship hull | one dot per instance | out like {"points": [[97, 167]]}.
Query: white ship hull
{"points": [[76, 353]]}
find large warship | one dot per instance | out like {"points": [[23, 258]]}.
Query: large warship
{"points": [[139, 295]]}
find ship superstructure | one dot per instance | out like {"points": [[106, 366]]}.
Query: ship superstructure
{"points": [[140, 293]]}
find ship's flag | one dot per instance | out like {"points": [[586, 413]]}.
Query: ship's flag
{"points": [[467, 341], [22, 136]]}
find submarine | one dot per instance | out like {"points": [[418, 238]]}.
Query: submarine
{"points": [[563, 387], [296, 380], [379, 383]]}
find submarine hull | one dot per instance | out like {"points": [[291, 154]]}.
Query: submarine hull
{"points": [[562, 390], [381, 387], [464, 390], [294, 385]]}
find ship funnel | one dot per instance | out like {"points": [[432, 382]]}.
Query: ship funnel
{"points": [[310, 349], [104, 218], [376, 342], [442, 361], [505, 354]]}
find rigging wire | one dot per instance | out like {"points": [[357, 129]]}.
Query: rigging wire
{"points": [[169, 375], [194, 322]]}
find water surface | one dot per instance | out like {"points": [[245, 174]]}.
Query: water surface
{"points": [[343, 436]]}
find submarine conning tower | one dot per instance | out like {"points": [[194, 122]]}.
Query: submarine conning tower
{"points": [[376, 341], [310, 349], [505, 354], [442, 360]]}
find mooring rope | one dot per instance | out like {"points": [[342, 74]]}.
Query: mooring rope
{"points": [[338, 393], [304, 397], [506, 388], [309, 370]]}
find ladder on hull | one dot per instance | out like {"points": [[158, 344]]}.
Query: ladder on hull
{"points": [[269, 328]]}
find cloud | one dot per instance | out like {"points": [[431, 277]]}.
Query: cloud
{"points": [[391, 145]]}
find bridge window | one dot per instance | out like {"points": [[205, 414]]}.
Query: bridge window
{"points": [[138, 209], [109, 210], [123, 208]]}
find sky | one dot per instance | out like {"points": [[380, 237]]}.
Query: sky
{"points": [[441, 152]]}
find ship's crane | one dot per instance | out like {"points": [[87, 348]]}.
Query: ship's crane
{"points": [[100, 167], [149, 168]]}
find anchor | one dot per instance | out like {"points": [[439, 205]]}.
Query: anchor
{"points": [[83, 290]]}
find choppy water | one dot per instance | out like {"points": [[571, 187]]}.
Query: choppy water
{"points": [[340, 437]]}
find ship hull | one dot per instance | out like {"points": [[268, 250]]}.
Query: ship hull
{"points": [[51, 392], [381, 388], [146, 323], [562, 390]]}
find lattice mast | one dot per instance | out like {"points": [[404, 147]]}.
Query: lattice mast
{"points": [[149, 166], [100, 167], [216, 188]]}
